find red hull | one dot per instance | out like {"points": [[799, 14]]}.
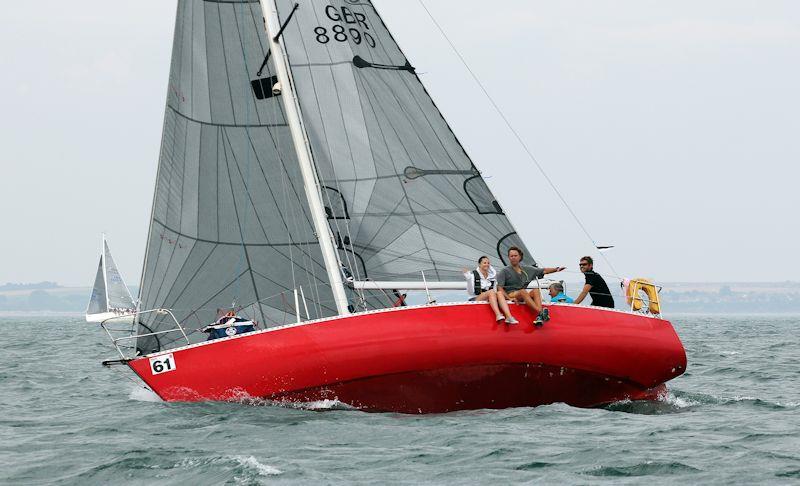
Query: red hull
{"points": [[435, 358]]}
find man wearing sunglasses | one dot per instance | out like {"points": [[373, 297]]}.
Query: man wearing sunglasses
{"points": [[595, 286]]}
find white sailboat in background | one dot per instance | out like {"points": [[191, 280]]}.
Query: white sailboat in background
{"points": [[110, 298]]}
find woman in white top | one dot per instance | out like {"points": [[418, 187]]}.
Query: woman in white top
{"points": [[482, 286]]}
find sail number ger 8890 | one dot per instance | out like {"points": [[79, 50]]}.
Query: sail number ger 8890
{"points": [[356, 27]]}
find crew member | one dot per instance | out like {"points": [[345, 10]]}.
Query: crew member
{"points": [[595, 286]]}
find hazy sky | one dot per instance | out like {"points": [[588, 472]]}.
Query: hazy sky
{"points": [[671, 128]]}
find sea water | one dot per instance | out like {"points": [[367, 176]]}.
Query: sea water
{"points": [[733, 417]]}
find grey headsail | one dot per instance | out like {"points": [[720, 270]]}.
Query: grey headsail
{"points": [[401, 193], [230, 225], [98, 302]]}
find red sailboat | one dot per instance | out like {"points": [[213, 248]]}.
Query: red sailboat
{"points": [[306, 180], [430, 358]]}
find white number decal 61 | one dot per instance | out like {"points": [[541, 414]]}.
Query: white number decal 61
{"points": [[162, 364]]}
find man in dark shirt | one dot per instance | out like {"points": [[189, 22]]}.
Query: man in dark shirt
{"points": [[595, 286]]}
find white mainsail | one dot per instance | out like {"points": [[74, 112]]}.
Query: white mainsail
{"points": [[110, 296]]}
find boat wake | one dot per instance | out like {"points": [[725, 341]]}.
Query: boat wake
{"points": [[669, 403], [244, 398], [317, 405], [141, 394], [677, 401]]}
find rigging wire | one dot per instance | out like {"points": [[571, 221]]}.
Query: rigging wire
{"points": [[517, 136], [308, 262], [306, 256], [248, 169], [276, 112], [319, 188]]}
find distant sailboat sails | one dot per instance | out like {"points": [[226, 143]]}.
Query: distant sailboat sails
{"points": [[233, 223], [110, 296]]}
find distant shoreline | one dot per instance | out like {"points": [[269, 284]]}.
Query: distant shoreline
{"points": [[695, 298], [40, 313]]}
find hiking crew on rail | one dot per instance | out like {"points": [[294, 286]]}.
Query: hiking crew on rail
{"points": [[482, 286], [513, 280]]}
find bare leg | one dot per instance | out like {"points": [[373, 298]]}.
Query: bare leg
{"points": [[493, 303], [536, 295], [501, 301], [503, 297], [530, 302], [491, 296]]}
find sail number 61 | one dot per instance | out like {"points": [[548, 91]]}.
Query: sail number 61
{"points": [[162, 364]]}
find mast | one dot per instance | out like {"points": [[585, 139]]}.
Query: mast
{"points": [[304, 157], [105, 277]]}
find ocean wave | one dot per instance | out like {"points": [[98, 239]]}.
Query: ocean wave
{"points": [[757, 402], [676, 400], [647, 468], [253, 464]]}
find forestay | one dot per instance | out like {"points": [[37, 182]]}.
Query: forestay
{"points": [[402, 195], [230, 223]]}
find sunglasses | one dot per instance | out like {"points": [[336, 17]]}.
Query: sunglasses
{"points": [[584, 264]]}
